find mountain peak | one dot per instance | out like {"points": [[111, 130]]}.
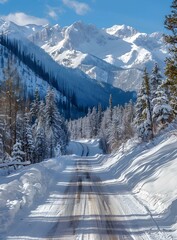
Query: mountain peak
{"points": [[121, 31], [82, 27]]}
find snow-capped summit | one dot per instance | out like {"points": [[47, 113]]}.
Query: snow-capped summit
{"points": [[8, 27], [79, 36], [121, 31]]}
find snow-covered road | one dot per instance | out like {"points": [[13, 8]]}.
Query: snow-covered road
{"points": [[86, 202]]}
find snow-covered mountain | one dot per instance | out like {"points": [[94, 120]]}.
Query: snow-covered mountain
{"points": [[68, 82], [115, 55]]}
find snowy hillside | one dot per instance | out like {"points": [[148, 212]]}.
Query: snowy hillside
{"points": [[114, 55]]}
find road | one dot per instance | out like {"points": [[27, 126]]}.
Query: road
{"points": [[87, 213], [85, 203]]}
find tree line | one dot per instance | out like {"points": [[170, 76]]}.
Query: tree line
{"points": [[29, 131]]}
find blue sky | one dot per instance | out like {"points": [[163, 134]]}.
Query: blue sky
{"points": [[144, 15]]}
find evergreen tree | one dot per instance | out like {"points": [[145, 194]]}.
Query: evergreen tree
{"points": [[40, 145], [100, 115], [127, 121], [104, 131], [35, 105], [110, 107], [93, 123], [171, 61], [17, 153], [55, 127], [28, 140], [115, 132], [88, 124], [162, 111], [143, 119], [155, 80]]}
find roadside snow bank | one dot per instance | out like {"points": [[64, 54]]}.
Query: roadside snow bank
{"points": [[158, 190], [150, 171], [21, 189]]}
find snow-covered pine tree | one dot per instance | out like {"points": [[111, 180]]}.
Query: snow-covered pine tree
{"points": [[17, 153], [28, 139], [110, 107], [64, 135], [115, 134], [104, 131], [155, 81], [88, 124], [39, 136], [162, 111], [143, 111], [34, 110], [100, 115], [93, 123], [148, 122], [127, 121], [55, 128], [71, 126], [40, 145]]}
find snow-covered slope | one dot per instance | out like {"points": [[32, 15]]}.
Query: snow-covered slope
{"points": [[115, 55]]}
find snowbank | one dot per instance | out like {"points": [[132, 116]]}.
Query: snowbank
{"points": [[20, 190], [149, 170]]}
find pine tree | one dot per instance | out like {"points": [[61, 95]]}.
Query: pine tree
{"points": [[143, 119], [28, 140], [88, 124], [127, 121], [35, 105], [55, 128], [155, 80], [104, 131], [93, 123], [100, 115], [115, 132], [40, 145], [162, 111], [17, 153], [171, 61], [110, 107]]}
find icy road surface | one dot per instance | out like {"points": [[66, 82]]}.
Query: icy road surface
{"points": [[85, 202]]}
